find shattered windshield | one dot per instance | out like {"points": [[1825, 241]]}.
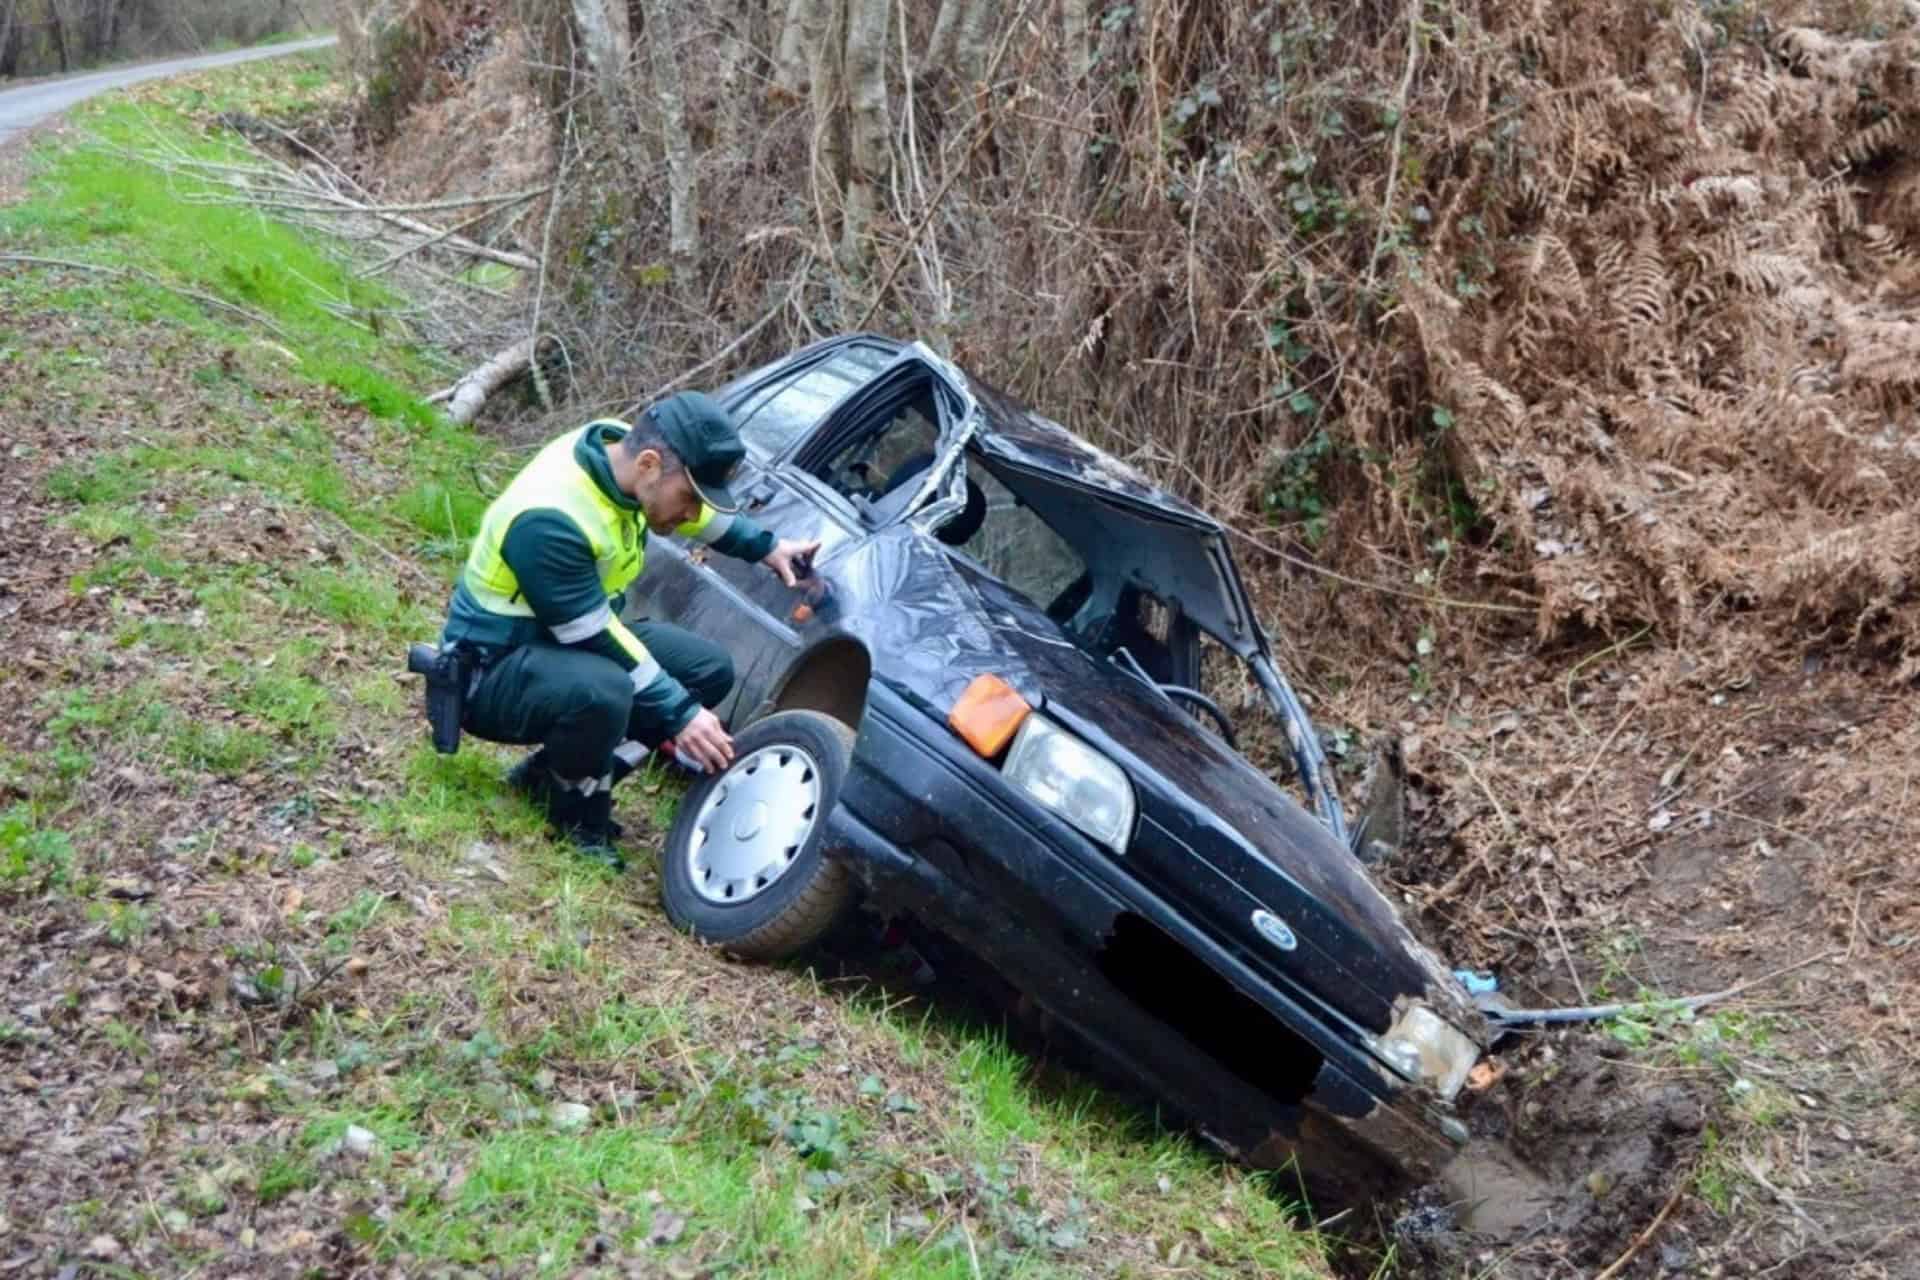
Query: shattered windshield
{"points": [[1015, 545]]}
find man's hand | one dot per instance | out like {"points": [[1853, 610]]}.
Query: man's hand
{"points": [[785, 552], [705, 742]]}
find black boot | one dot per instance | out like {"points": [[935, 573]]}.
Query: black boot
{"points": [[583, 820], [532, 779]]}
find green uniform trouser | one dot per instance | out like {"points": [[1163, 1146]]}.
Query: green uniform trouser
{"points": [[580, 706]]}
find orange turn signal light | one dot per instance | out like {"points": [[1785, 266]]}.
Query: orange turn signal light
{"points": [[988, 714]]}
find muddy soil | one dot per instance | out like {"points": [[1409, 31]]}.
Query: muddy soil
{"points": [[1661, 826]]}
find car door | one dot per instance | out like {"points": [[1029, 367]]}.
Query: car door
{"points": [[744, 607], [797, 494]]}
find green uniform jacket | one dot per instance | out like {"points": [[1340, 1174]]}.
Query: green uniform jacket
{"points": [[555, 554]]}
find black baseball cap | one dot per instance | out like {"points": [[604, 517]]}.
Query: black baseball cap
{"points": [[702, 434]]}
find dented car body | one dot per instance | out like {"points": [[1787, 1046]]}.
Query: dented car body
{"points": [[1103, 846]]}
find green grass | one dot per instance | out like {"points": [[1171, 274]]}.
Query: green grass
{"points": [[32, 854], [779, 1127]]}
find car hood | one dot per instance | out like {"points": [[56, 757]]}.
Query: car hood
{"points": [[933, 622]]}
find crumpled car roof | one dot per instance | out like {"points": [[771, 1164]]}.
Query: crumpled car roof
{"points": [[1014, 432]]}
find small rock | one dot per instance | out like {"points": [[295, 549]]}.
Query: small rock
{"points": [[667, 1227], [482, 857], [103, 1247], [358, 1141], [569, 1115]]}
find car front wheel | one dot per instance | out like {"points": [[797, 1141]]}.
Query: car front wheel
{"points": [[743, 865]]}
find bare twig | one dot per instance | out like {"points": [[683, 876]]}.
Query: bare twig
{"points": [[1640, 1241], [1393, 152], [253, 317], [933, 205], [1438, 602], [1506, 823], [1591, 658], [1553, 922], [793, 291], [1587, 772], [407, 567]]}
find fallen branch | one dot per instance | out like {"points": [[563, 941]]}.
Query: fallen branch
{"points": [[471, 248], [467, 395], [284, 182], [409, 250], [208, 299]]}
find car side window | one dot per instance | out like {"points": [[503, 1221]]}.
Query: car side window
{"points": [[774, 417]]}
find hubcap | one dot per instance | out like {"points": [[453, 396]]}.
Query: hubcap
{"points": [[753, 823]]}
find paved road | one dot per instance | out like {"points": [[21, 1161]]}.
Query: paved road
{"points": [[25, 107]]}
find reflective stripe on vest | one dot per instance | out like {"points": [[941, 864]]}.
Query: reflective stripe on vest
{"points": [[554, 481]]}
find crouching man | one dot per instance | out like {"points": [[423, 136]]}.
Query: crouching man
{"points": [[536, 610]]}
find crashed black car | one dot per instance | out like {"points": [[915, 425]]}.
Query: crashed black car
{"points": [[985, 715]]}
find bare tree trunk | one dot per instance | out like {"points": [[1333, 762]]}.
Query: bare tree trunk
{"points": [[973, 38], [603, 30], [666, 23], [1079, 114], [867, 98], [825, 86], [938, 59], [57, 29], [9, 29], [736, 43], [805, 22]]}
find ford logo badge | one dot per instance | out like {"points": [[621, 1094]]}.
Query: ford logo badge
{"points": [[1275, 930]]}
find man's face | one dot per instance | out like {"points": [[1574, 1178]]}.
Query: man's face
{"points": [[667, 496]]}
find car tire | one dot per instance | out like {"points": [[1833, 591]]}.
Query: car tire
{"points": [[744, 865]]}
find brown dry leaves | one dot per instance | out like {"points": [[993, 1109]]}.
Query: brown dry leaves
{"points": [[1690, 379]]}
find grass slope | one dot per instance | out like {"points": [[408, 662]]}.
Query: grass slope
{"points": [[288, 993]]}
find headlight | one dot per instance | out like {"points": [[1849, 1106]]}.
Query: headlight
{"points": [[1422, 1047], [1069, 777]]}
